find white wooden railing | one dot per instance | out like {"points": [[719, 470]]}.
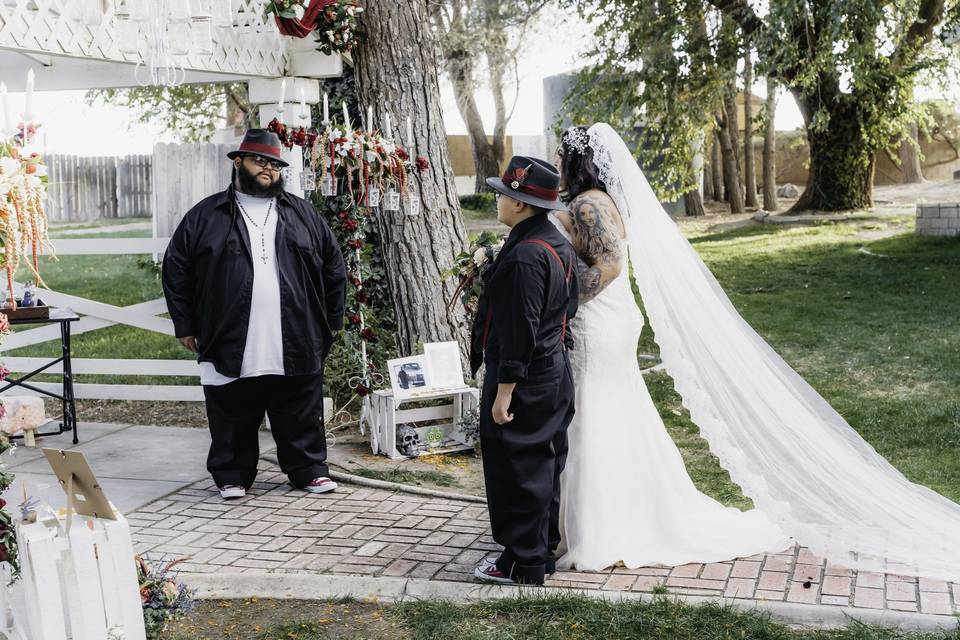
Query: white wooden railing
{"points": [[98, 315]]}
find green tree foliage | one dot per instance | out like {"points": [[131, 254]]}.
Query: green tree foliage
{"points": [[851, 65], [190, 112]]}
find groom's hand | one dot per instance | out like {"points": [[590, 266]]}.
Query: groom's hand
{"points": [[501, 405]]}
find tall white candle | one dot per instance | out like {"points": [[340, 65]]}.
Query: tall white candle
{"points": [[283, 94], [4, 98], [326, 108], [409, 132], [28, 100], [346, 115], [389, 128]]}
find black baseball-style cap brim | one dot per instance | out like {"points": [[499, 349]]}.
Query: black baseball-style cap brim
{"points": [[498, 185]]}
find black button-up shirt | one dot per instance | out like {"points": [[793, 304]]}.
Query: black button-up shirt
{"points": [[208, 282], [529, 296]]}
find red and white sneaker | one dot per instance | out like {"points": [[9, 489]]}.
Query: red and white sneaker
{"points": [[232, 491], [322, 484], [488, 572]]}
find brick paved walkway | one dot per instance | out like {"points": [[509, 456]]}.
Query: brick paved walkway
{"points": [[371, 532]]}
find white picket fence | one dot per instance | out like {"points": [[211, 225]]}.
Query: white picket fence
{"points": [[98, 315]]}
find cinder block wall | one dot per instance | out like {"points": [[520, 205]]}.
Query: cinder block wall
{"points": [[941, 219]]}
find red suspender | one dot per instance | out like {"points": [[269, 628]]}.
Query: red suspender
{"points": [[549, 247]]}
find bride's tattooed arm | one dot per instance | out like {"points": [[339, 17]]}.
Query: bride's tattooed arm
{"points": [[596, 238]]}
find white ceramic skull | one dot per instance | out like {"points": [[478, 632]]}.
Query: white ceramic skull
{"points": [[408, 441]]}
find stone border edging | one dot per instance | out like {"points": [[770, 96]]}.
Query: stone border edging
{"points": [[327, 586], [349, 478]]}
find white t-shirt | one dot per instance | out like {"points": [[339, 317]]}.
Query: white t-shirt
{"points": [[263, 352]]}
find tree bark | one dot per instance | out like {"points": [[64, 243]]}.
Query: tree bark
{"points": [[693, 204], [716, 170], [841, 166], [708, 169], [731, 117], [770, 202], [749, 166], [910, 156], [402, 79], [731, 171]]}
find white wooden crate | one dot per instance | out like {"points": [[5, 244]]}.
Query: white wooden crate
{"points": [[81, 585], [382, 414]]}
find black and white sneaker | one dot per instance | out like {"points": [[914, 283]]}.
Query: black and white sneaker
{"points": [[490, 573], [232, 491]]}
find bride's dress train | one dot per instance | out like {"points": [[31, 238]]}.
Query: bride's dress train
{"points": [[626, 495]]}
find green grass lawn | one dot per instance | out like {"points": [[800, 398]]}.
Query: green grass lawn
{"points": [[877, 334], [527, 618]]}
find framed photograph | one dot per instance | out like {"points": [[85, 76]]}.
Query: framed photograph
{"points": [[446, 370], [409, 376]]}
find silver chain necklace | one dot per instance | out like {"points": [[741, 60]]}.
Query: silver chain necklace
{"points": [[262, 228]]}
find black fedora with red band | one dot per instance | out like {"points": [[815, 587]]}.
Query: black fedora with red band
{"points": [[260, 142], [530, 180]]}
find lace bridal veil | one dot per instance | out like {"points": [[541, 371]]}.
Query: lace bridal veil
{"points": [[788, 449]]}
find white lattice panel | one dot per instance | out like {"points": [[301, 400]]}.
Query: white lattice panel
{"points": [[251, 47]]}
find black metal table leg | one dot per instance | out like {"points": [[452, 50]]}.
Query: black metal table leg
{"points": [[69, 402]]}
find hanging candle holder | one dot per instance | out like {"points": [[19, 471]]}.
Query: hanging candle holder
{"points": [[373, 195], [308, 180], [201, 35], [412, 205], [329, 185], [391, 199]]}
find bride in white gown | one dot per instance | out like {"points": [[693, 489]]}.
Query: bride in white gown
{"points": [[626, 495]]}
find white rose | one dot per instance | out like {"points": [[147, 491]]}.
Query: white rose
{"points": [[9, 166], [480, 257]]}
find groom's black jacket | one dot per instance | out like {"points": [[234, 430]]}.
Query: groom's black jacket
{"points": [[529, 296]]}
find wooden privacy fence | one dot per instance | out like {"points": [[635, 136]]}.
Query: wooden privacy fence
{"points": [[90, 188], [185, 174]]}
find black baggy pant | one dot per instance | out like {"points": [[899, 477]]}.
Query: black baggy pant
{"points": [[235, 412], [522, 462]]}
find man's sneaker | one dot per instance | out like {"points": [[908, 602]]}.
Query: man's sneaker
{"points": [[322, 484], [232, 491], [490, 573]]}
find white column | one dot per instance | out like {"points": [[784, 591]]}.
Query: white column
{"points": [[266, 94]]}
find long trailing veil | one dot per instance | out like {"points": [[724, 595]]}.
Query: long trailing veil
{"points": [[789, 450]]}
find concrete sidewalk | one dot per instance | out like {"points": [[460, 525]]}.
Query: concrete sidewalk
{"points": [[136, 465], [369, 542]]}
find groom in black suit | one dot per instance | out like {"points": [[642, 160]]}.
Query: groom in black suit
{"points": [[521, 333]]}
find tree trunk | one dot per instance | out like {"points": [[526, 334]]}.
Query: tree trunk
{"points": [[400, 80], [731, 117], [749, 166], [841, 166], [693, 204], [770, 202], [708, 170], [716, 170], [731, 170], [910, 156]]}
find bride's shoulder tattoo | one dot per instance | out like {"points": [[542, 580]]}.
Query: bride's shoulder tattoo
{"points": [[596, 238], [595, 230]]}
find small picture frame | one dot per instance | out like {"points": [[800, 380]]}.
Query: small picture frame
{"points": [[409, 377]]}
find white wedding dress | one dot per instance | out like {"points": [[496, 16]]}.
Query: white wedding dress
{"points": [[626, 495]]}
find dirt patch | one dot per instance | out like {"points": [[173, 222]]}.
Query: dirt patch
{"points": [[164, 414], [263, 619], [455, 473]]}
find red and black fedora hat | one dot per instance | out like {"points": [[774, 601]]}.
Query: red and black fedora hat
{"points": [[530, 180], [262, 143]]}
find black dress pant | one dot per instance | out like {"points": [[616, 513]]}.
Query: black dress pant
{"points": [[235, 412], [522, 463]]}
